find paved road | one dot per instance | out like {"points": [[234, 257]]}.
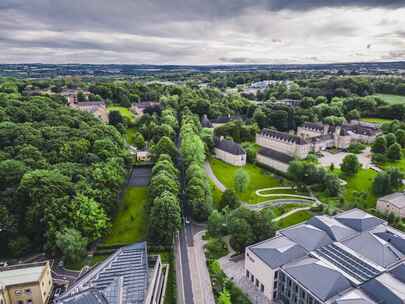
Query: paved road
{"points": [[212, 176], [185, 268], [200, 277]]}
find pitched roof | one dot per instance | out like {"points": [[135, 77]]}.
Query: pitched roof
{"points": [[282, 136], [278, 251], [392, 236], [321, 279], [276, 155], [375, 249], [354, 296], [318, 126], [123, 275], [386, 288], [230, 147], [88, 296], [307, 236], [336, 230], [226, 118], [397, 199], [359, 220]]}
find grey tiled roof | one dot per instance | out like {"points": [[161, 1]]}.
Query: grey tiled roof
{"points": [[88, 296], [336, 230], [273, 154], [397, 199], [230, 147], [375, 249], [319, 278], [307, 236], [359, 220], [124, 275], [278, 251], [354, 296], [284, 136], [318, 126]]}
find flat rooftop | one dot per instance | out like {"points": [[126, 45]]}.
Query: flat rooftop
{"points": [[21, 275]]}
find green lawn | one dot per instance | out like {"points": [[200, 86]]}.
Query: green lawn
{"points": [[125, 112], [131, 135], [278, 211], [399, 164], [361, 182], [376, 120], [293, 219], [259, 178], [391, 99], [130, 224], [216, 195]]}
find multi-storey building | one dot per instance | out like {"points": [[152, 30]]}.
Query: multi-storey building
{"points": [[392, 203], [97, 108], [351, 258], [129, 276], [26, 283]]}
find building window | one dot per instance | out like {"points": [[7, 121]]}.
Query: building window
{"points": [[18, 292], [276, 275], [29, 301], [20, 302], [247, 273], [28, 291], [262, 288], [252, 278], [275, 285], [274, 295], [257, 283]]}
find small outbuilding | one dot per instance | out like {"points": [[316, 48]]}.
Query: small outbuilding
{"points": [[230, 152]]}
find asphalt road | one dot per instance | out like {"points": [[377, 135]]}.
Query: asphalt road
{"points": [[185, 265]]}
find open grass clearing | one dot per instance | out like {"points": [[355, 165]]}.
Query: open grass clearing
{"points": [[259, 178], [391, 99], [125, 112], [130, 223], [376, 120], [278, 211]]}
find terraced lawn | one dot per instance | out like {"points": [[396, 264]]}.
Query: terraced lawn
{"points": [[376, 120], [259, 178], [293, 219], [130, 223], [278, 211]]}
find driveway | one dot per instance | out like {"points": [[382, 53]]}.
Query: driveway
{"points": [[336, 159]]}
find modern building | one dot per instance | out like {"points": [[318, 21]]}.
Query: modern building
{"points": [[392, 203], [129, 276], [26, 283], [230, 152], [351, 258]]}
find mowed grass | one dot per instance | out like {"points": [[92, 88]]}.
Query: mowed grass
{"points": [[131, 135], [216, 195], [398, 164], [130, 224], [391, 99], [377, 120], [361, 182], [259, 178], [293, 219], [125, 112]]}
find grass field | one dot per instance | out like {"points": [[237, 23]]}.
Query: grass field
{"points": [[130, 224], [125, 112], [216, 194], [130, 135], [361, 182], [259, 178], [391, 99], [294, 219], [376, 120], [278, 211]]}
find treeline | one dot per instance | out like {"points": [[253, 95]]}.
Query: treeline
{"points": [[198, 188], [60, 173]]}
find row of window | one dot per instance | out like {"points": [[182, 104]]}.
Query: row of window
{"points": [[20, 292], [29, 301], [252, 278]]}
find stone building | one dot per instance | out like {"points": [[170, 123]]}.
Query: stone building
{"points": [[26, 283], [392, 203], [97, 108], [230, 152]]}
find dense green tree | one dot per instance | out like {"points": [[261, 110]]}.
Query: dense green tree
{"points": [[71, 244], [400, 135], [224, 297], [241, 181], [350, 165], [229, 199], [165, 219], [332, 185], [165, 146], [394, 152], [380, 145], [216, 224], [390, 139]]}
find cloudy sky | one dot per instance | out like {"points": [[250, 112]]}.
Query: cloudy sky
{"points": [[201, 31]]}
